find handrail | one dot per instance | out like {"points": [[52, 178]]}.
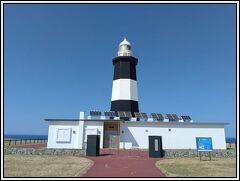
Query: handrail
{"points": [[24, 141]]}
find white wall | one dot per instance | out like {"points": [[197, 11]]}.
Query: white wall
{"points": [[91, 127], [79, 132], [180, 137], [53, 133]]}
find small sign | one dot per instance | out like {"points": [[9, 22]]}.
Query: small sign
{"points": [[204, 144], [64, 135]]}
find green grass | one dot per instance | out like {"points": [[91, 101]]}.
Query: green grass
{"points": [[193, 167], [231, 146], [45, 166]]}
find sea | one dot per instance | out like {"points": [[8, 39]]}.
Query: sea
{"points": [[23, 136], [231, 140]]}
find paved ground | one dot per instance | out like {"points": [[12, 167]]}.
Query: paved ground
{"points": [[123, 163]]}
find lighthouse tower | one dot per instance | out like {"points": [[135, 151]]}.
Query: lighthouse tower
{"points": [[124, 88]]}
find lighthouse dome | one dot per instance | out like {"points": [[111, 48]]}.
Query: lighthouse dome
{"points": [[125, 48], [125, 42]]}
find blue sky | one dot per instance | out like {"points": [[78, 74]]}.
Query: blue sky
{"points": [[58, 61]]}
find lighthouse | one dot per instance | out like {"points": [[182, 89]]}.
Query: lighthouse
{"points": [[125, 127], [124, 87]]}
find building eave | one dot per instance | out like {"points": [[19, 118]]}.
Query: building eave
{"points": [[163, 123], [61, 119]]}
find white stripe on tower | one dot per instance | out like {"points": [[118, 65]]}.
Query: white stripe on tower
{"points": [[124, 89]]}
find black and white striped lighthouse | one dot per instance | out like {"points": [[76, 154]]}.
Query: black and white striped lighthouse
{"points": [[124, 88]]}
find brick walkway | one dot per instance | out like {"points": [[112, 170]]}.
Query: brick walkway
{"points": [[123, 163]]}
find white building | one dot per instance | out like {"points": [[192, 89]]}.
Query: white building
{"points": [[117, 133], [125, 127]]}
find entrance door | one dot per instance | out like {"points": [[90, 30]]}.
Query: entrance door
{"points": [[111, 135], [155, 146]]}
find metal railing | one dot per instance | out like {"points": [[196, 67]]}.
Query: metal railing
{"points": [[9, 142]]}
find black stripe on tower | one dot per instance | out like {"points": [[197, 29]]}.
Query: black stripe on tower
{"points": [[125, 67], [125, 105]]}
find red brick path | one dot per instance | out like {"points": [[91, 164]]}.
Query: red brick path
{"points": [[123, 163]]}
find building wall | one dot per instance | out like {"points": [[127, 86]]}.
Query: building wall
{"points": [[63, 134], [134, 134], [93, 127], [173, 136], [78, 136]]}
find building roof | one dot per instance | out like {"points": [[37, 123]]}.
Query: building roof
{"points": [[159, 122], [61, 119]]}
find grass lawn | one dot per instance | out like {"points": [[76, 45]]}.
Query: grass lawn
{"points": [[45, 166], [193, 167]]}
